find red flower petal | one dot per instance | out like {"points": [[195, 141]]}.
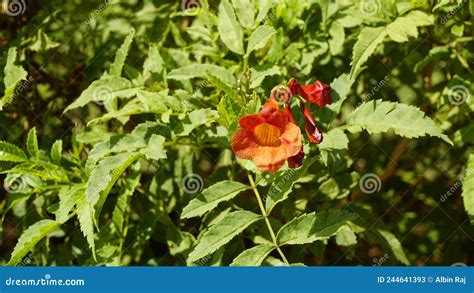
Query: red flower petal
{"points": [[314, 135], [317, 93]]}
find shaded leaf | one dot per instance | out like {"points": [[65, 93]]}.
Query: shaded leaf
{"points": [[56, 152], [13, 75], [222, 232], [30, 237], [105, 89], [11, 153], [283, 184], [259, 38], [121, 55], [308, 228], [32, 143], [468, 188], [211, 197], [253, 256]]}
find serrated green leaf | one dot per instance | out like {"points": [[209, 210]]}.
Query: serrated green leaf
{"points": [[202, 71], [407, 26], [468, 188], [13, 75], [128, 110], [154, 67], [121, 55], [367, 41], [104, 176], [68, 197], [253, 256], [56, 151], [105, 89], [154, 102], [122, 206], [11, 153], [394, 245], [336, 42], [308, 228], [259, 38], [211, 197], [30, 237], [42, 169], [223, 232], [282, 185], [245, 11], [263, 8], [195, 119], [334, 147], [345, 236], [405, 120], [43, 42], [32, 143], [257, 76], [155, 149], [340, 185], [85, 215], [230, 30], [340, 89]]}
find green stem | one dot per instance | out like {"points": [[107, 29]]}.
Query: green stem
{"points": [[267, 221]]}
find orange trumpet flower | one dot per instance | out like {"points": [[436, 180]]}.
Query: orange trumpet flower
{"points": [[269, 138]]}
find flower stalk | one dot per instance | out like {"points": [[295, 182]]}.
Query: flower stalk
{"points": [[267, 221]]}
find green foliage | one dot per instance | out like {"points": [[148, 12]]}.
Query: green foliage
{"points": [[230, 30], [405, 120], [11, 153], [211, 197], [468, 188], [222, 232], [253, 256], [117, 129], [13, 74], [30, 237], [308, 228]]}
